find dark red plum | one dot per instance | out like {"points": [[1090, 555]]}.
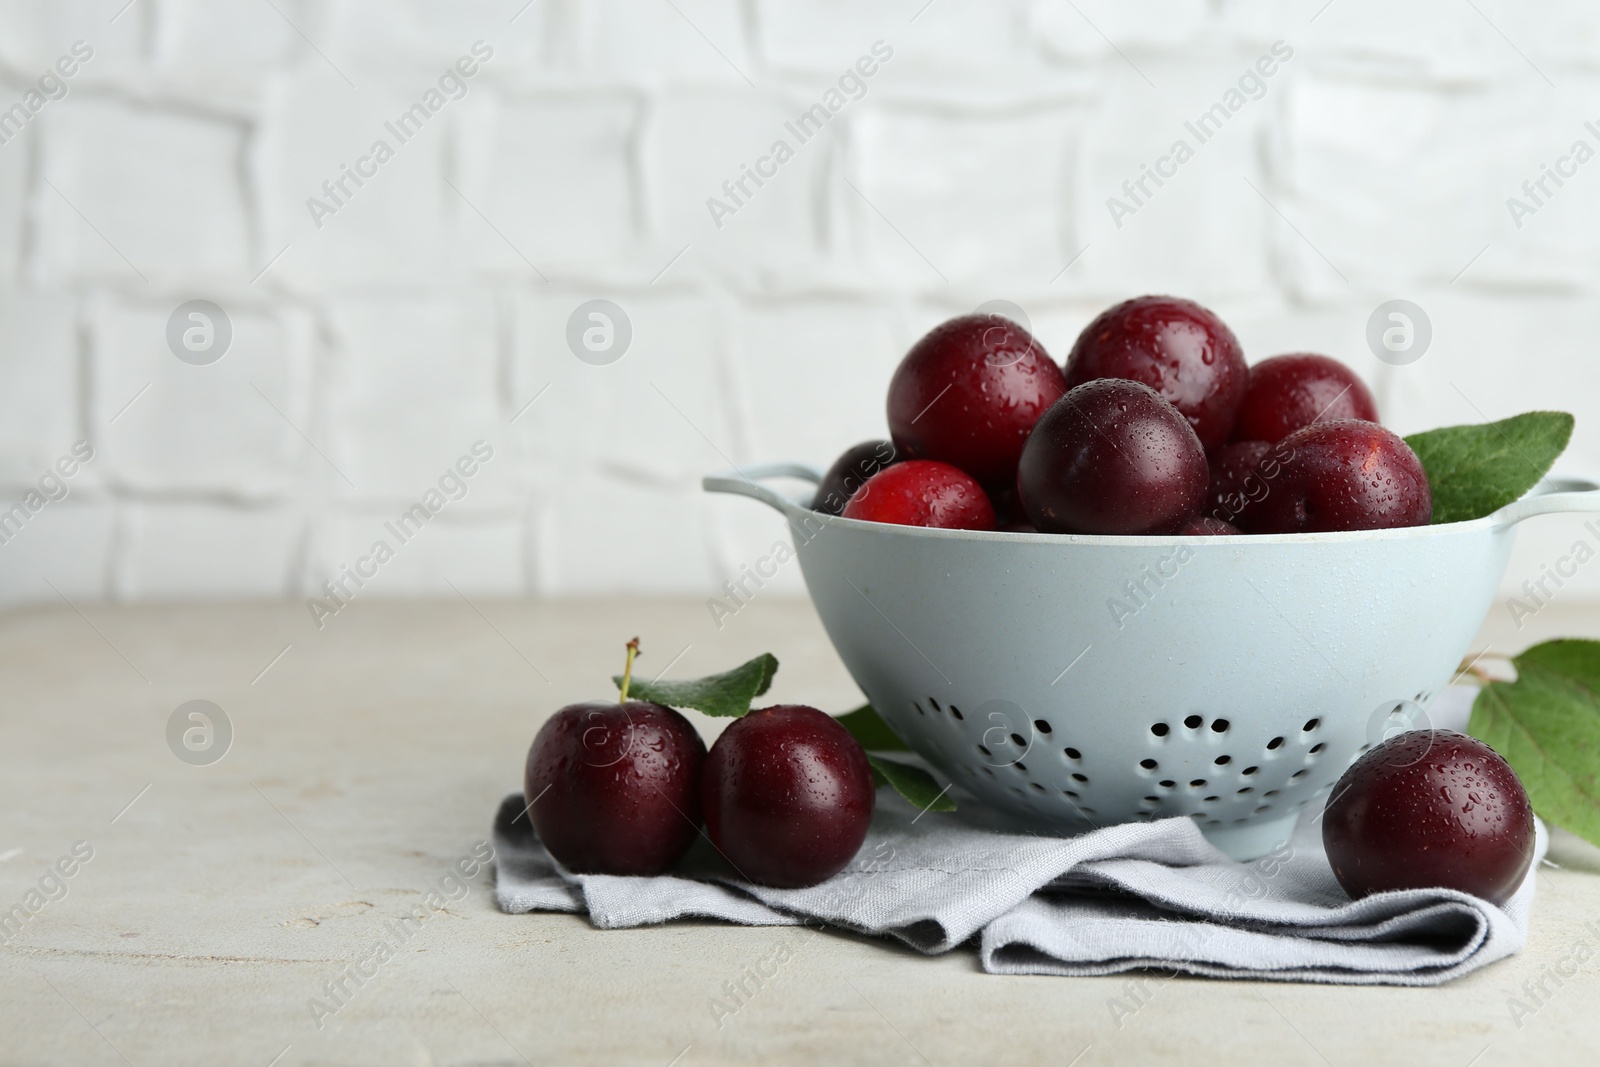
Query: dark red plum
{"points": [[1243, 473], [1175, 346], [1343, 475], [968, 393], [788, 796], [1234, 482], [1112, 457], [1288, 393], [615, 787], [849, 473], [1430, 808]]}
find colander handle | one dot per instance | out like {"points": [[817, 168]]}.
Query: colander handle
{"points": [[1567, 494], [744, 482]]}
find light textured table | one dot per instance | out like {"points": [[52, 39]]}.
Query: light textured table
{"points": [[369, 758]]}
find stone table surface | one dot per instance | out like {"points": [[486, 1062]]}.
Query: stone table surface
{"points": [[367, 758]]}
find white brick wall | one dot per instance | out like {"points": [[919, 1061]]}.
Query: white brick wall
{"points": [[370, 352]]}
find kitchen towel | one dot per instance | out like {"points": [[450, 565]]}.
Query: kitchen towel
{"points": [[1152, 895]]}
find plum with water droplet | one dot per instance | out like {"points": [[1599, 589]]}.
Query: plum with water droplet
{"points": [[1180, 349], [969, 392], [923, 492], [850, 472], [1346, 474], [614, 787], [788, 796], [1112, 457], [1430, 808], [1293, 391], [1237, 480]]}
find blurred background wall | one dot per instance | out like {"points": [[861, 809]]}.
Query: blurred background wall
{"points": [[379, 328]]}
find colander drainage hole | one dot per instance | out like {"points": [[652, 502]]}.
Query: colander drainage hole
{"points": [[1160, 729], [1301, 773], [1223, 761], [1042, 726], [1318, 747], [1072, 753], [1270, 793], [1016, 739], [1212, 800], [1036, 787], [1080, 778], [1262, 808], [934, 704], [1021, 767], [989, 772], [1193, 722], [1149, 764], [985, 750], [1311, 725], [1167, 783], [1073, 793], [1275, 743], [1219, 726], [1246, 789], [918, 707], [1152, 800], [1198, 783], [1250, 770], [956, 712]]}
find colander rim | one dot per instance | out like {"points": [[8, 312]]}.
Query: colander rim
{"points": [[1550, 495]]}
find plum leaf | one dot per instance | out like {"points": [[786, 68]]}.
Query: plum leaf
{"points": [[913, 783], [724, 696], [871, 732], [1476, 470], [1547, 726]]}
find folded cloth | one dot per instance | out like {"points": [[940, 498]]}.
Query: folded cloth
{"points": [[1141, 895]]}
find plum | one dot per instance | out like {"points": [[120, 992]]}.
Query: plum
{"points": [[1112, 457], [1175, 346], [850, 472], [1342, 475], [788, 796], [968, 393], [1236, 481], [1287, 393], [922, 492], [614, 787], [1430, 808]]}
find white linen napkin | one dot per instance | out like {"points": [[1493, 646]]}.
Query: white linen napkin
{"points": [[1144, 895]]}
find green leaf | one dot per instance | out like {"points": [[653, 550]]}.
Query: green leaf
{"points": [[725, 696], [913, 783], [1474, 471], [1547, 726], [871, 731]]}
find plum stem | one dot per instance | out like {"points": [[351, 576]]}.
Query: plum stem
{"points": [[627, 671], [1482, 677]]}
